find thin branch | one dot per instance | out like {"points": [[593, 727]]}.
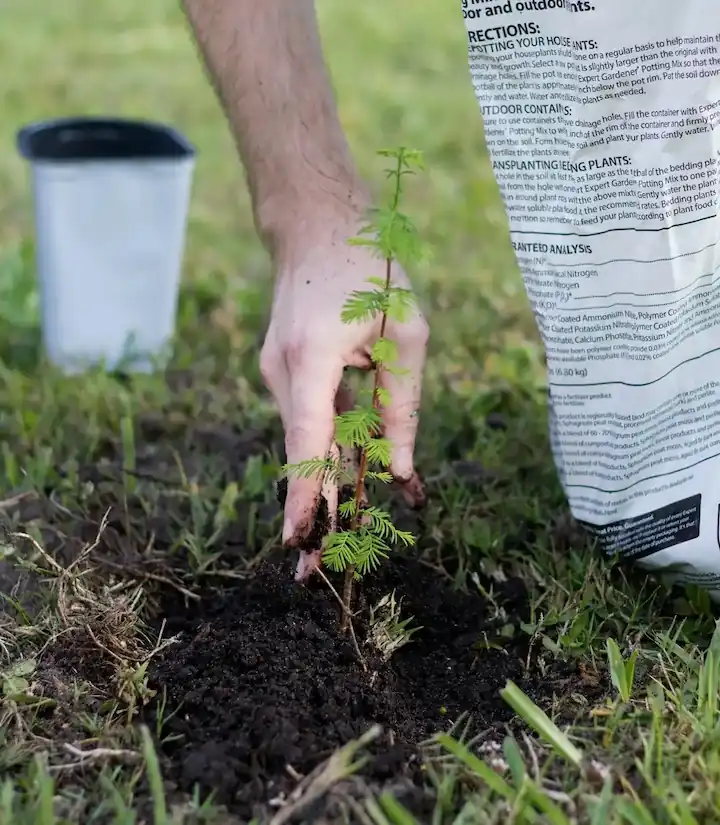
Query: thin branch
{"points": [[85, 758], [314, 786], [347, 617], [13, 501], [143, 574]]}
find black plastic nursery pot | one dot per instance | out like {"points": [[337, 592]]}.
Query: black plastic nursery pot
{"points": [[101, 139]]}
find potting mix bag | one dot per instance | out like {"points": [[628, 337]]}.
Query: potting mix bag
{"points": [[602, 120]]}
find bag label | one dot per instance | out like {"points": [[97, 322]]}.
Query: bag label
{"points": [[602, 121]]}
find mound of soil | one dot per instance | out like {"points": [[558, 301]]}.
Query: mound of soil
{"points": [[264, 680], [262, 687]]}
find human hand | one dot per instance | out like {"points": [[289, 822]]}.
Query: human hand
{"points": [[306, 350]]}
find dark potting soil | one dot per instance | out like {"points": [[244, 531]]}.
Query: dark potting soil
{"points": [[265, 680], [261, 686]]}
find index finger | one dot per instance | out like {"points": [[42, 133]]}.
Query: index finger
{"points": [[310, 433]]}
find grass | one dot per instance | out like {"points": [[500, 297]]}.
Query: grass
{"points": [[647, 753]]}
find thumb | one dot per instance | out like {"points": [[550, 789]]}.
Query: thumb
{"points": [[310, 434]]}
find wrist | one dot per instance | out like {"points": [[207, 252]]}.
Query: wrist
{"points": [[311, 211]]}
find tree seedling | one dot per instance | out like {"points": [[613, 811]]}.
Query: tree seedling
{"points": [[366, 533]]}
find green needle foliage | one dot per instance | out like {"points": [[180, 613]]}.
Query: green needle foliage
{"points": [[366, 533]]}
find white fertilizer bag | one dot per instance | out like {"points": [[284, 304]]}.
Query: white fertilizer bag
{"points": [[602, 119]]}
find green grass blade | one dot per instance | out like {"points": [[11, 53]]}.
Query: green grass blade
{"points": [[483, 771], [537, 719], [603, 807], [152, 766], [395, 811], [617, 669]]}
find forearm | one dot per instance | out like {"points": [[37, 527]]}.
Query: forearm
{"points": [[266, 63]]}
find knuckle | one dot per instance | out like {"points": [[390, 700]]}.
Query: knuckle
{"points": [[415, 332], [269, 363], [297, 437], [294, 350], [403, 430], [401, 417], [421, 330]]}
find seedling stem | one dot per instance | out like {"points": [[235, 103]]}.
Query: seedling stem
{"points": [[360, 546]]}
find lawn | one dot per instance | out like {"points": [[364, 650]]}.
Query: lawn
{"points": [[157, 664]]}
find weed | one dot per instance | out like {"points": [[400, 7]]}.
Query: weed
{"points": [[621, 671], [388, 632]]}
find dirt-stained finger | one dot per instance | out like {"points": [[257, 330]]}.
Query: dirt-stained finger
{"points": [[310, 556], [314, 383]]}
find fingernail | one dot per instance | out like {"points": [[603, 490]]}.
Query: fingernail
{"points": [[288, 531], [402, 465], [307, 564]]}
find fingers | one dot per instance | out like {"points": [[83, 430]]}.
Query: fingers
{"points": [[401, 414], [309, 434], [310, 557], [275, 375], [308, 406], [308, 562]]}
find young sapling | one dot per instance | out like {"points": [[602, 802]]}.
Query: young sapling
{"points": [[366, 533]]}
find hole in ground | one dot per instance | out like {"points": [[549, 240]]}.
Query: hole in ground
{"points": [[264, 680]]}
